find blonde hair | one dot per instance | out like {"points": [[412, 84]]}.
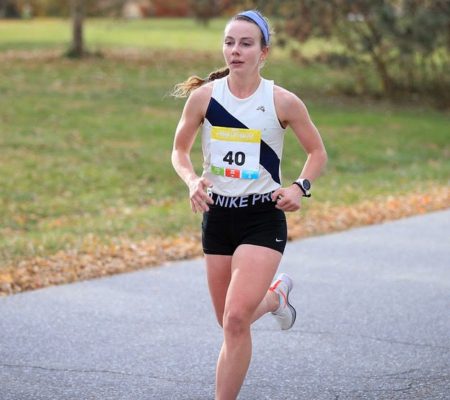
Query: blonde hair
{"points": [[183, 89]]}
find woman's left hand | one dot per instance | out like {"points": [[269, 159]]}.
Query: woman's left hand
{"points": [[287, 199]]}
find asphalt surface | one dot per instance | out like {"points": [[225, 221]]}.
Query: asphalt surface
{"points": [[373, 322]]}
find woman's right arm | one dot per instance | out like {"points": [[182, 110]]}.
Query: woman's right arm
{"points": [[192, 117]]}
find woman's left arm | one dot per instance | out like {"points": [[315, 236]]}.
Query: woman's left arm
{"points": [[293, 112]]}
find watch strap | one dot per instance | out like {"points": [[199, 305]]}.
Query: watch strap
{"points": [[305, 193]]}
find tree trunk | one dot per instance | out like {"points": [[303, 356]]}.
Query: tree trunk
{"points": [[386, 80], [381, 65], [2, 8], [77, 11]]}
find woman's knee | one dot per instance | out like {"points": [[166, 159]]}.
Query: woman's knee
{"points": [[236, 323]]}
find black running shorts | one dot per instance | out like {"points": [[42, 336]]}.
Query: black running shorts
{"points": [[232, 221]]}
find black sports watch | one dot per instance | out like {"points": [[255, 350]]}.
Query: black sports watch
{"points": [[304, 185]]}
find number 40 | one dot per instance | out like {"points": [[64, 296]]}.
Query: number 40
{"points": [[237, 158]]}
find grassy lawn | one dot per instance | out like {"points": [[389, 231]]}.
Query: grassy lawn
{"points": [[152, 34], [85, 145]]}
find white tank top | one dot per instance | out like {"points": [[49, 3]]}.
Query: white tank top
{"points": [[242, 141]]}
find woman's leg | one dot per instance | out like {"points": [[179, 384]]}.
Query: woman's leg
{"points": [[252, 271], [218, 272]]}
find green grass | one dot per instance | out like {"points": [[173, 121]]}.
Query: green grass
{"points": [[85, 145], [100, 33]]}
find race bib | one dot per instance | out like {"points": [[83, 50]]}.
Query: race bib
{"points": [[235, 152]]}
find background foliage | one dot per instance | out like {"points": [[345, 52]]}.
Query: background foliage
{"points": [[406, 43]]}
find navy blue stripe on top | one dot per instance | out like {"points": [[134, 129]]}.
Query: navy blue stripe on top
{"points": [[217, 115]]}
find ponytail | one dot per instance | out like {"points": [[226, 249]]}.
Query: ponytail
{"points": [[183, 89]]}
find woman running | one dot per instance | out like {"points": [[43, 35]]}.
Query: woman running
{"points": [[243, 118]]}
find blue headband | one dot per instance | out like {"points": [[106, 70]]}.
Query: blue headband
{"points": [[260, 21]]}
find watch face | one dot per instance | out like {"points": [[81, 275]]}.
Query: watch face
{"points": [[306, 184]]}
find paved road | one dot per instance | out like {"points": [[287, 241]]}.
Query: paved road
{"points": [[373, 306]]}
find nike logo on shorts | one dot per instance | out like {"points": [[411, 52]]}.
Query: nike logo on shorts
{"points": [[279, 240]]}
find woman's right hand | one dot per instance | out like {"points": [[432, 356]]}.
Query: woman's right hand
{"points": [[197, 194]]}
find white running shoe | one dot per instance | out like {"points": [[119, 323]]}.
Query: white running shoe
{"points": [[285, 314]]}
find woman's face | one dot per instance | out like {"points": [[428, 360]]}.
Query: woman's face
{"points": [[242, 47]]}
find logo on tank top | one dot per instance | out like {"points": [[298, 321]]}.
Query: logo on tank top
{"points": [[261, 108]]}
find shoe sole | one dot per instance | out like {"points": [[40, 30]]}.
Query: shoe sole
{"points": [[294, 313]]}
